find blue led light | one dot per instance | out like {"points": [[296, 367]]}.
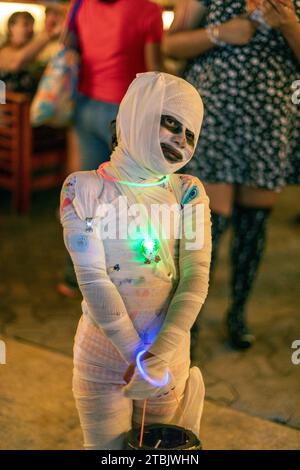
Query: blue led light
{"points": [[155, 383]]}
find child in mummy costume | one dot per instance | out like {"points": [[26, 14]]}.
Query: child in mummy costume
{"points": [[142, 290]]}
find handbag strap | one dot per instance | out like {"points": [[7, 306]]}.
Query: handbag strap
{"points": [[73, 14], [70, 21]]}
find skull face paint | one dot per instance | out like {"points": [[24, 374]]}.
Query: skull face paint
{"points": [[176, 141]]}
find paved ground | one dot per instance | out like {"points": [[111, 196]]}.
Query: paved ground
{"points": [[37, 409], [260, 383]]}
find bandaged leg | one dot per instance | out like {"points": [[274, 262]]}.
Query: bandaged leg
{"points": [[104, 414], [182, 407], [189, 413]]}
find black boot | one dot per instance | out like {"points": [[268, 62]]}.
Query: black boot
{"points": [[249, 224], [219, 225], [239, 335], [194, 341]]}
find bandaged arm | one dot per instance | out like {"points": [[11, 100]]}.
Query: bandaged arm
{"points": [[194, 264], [104, 302]]}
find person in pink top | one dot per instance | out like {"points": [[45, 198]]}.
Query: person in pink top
{"points": [[117, 39]]}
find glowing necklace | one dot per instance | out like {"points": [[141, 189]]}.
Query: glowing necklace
{"points": [[129, 183], [148, 248]]}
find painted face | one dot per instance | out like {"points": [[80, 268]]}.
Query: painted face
{"points": [[176, 141]]}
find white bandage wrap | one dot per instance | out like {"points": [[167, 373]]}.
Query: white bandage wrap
{"points": [[86, 249], [186, 302], [139, 158], [189, 413], [192, 289]]}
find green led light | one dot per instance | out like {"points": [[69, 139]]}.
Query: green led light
{"points": [[149, 246], [149, 249]]}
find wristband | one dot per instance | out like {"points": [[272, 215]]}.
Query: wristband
{"points": [[213, 34], [148, 379]]}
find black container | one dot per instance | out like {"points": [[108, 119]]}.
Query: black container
{"points": [[162, 437]]}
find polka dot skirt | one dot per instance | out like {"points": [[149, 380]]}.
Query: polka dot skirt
{"points": [[251, 130]]}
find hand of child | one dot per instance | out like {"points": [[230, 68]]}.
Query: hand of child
{"points": [[155, 382], [130, 370]]}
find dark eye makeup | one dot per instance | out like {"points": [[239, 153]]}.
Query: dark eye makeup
{"points": [[174, 126]]}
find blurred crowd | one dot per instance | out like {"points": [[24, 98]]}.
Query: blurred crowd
{"points": [[24, 54]]}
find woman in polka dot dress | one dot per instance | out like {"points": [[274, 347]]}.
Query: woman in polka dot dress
{"points": [[244, 60]]}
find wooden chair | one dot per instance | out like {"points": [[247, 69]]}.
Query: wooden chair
{"points": [[11, 144], [30, 159]]}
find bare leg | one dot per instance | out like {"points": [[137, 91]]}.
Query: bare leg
{"points": [[221, 197], [256, 197]]}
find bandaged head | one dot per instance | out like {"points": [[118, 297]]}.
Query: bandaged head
{"points": [[139, 155]]}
